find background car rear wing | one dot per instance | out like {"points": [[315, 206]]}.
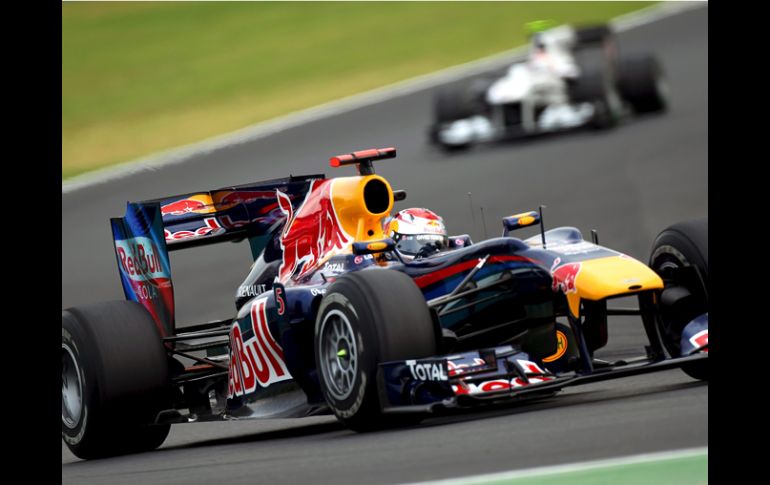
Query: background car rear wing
{"points": [[151, 228]]}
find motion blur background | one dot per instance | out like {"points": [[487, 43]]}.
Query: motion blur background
{"points": [[139, 77]]}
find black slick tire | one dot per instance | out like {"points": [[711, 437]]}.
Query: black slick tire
{"points": [[368, 317], [641, 83], [680, 256], [114, 380]]}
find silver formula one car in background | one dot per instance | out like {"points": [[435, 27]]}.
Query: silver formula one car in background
{"points": [[571, 78]]}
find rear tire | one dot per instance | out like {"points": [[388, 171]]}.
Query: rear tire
{"points": [[641, 83], [368, 317], [675, 252], [114, 380]]}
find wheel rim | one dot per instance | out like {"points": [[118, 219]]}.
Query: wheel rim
{"points": [[71, 388], [338, 354]]}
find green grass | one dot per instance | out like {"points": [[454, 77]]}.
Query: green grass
{"points": [[685, 470], [142, 77]]}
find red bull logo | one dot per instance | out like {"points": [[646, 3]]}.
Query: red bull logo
{"points": [[148, 278], [200, 204], [311, 234], [212, 227], [257, 360], [139, 260], [564, 276]]}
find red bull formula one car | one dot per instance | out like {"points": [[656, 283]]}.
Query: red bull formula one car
{"points": [[333, 319]]}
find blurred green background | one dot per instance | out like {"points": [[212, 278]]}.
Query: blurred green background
{"points": [[139, 77]]}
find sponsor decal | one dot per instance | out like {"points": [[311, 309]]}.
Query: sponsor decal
{"points": [[455, 369], [459, 242], [251, 290], [428, 237], [427, 371], [495, 385], [434, 227], [561, 347], [529, 367], [279, 299], [310, 234], [317, 291], [257, 361], [212, 228], [700, 339], [533, 372], [576, 248], [200, 204], [564, 276], [334, 267], [139, 259], [358, 259]]}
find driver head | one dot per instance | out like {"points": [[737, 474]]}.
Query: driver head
{"points": [[415, 229]]}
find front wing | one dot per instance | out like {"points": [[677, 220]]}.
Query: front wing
{"points": [[490, 376]]}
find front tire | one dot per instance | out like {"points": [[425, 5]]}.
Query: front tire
{"points": [[680, 256], [368, 317], [114, 380], [456, 103]]}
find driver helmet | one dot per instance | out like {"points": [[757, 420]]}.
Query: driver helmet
{"points": [[538, 43], [418, 231]]}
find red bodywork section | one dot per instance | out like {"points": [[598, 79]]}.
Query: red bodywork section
{"points": [[310, 234]]}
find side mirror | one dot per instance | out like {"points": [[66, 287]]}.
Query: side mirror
{"points": [[373, 247], [518, 221]]}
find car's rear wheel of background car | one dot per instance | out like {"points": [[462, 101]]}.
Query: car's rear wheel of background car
{"points": [[680, 256], [368, 317], [597, 84], [114, 380], [642, 84], [597, 40]]}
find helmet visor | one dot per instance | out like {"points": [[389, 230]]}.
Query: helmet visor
{"points": [[412, 244]]}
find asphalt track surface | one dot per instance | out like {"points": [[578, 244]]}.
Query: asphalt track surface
{"points": [[628, 184]]}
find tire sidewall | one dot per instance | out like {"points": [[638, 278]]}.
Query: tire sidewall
{"points": [[365, 378], [75, 339], [116, 413], [675, 244], [682, 244]]}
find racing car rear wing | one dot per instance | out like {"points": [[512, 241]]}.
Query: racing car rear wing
{"points": [[151, 228], [228, 213]]}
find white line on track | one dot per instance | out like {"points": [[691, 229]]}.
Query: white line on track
{"points": [[350, 103], [572, 467]]}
